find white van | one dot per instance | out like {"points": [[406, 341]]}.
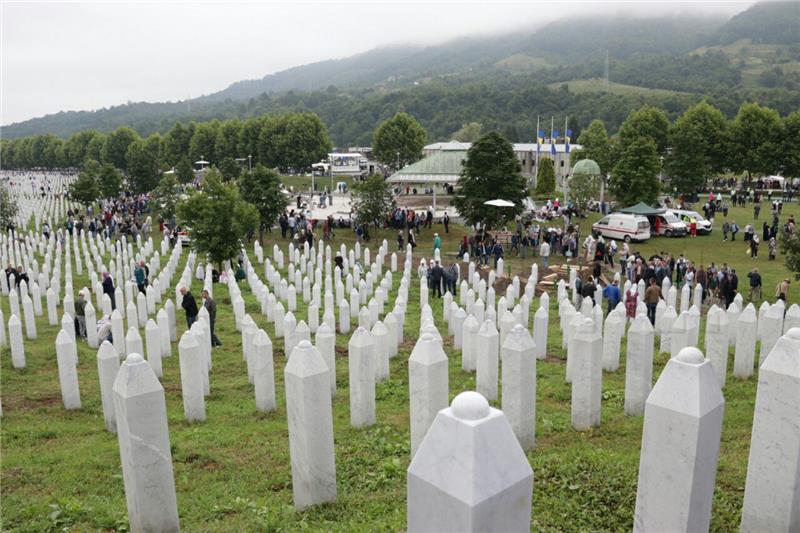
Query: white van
{"points": [[703, 225], [670, 225], [623, 226]]}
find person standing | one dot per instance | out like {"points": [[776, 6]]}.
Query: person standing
{"points": [[108, 288], [436, 279], [755, 285], [612, 294], [211, 307], [141, 277], [446, 222], [80, 315], [437, 243], [189, 306], [754, 240], [651, 297]]}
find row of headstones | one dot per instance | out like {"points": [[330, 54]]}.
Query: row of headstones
{"points": [[488, 484]]}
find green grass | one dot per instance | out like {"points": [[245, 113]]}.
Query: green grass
{"points": [[598, 85], [61, 470]]}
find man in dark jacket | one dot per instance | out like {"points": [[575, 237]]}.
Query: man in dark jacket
{"points": [[211, 307], [189, 306], [108, 288], [436, 279]]}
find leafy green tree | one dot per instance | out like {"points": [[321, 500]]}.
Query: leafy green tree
{"points": [[789, 152], [184, 170], [790, 247], [304, 141], [647, 122], [262, 188], [228, 139], [143, 173], [8, 208], [204, 141], [491, 170], [545, 177], [582, 189], [635, 177], [755, 136], [76, 147], [167, 195], [176, 143], [249, 138], [218, 219], [229, 168], [372, 200], [109, 179], [699, 146], [399, 140], [595, 145], [85, 190], [468, 133], [96, 149], [115, 149]]}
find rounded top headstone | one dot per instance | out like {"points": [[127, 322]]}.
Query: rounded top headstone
{"points": [[304, 345], [470, 405], [134, 358], [691, 355], [794, 334]]}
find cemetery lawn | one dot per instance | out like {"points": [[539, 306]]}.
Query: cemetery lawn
{"points": [[61, 469]]}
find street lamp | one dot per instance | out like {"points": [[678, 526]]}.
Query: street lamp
{"points": [[250, 163]]}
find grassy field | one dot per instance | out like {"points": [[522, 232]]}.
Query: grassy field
{"points": [[597, 84], [756, 58], [61, 470]]}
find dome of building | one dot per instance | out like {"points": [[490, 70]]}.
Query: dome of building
{"points": [[586, 166]]}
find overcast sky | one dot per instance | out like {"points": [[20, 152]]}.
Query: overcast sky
{"points": [[88, 55]]}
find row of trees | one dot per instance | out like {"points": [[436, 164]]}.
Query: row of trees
{"points": [[289, 141], [699, 145]]}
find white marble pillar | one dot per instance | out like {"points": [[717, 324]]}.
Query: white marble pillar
{"points": [[310, 420], [428, 386], [540, 324], [638, 365], [587, 377], [717, 331], [107, 369], [485, 485], [263, 371], [519, 384], [469, 337], [746, 333], [361, 360], [192, 368], [680, 446], [326, 344], [144, 448], [487, 360], [67, 371], [16, 342]]}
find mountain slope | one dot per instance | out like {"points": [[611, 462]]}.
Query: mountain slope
{"points": [[763, 23]]}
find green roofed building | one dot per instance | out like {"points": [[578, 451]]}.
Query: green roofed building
{"points": [[435, 171]]}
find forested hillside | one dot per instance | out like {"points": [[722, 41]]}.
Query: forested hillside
{"points": [[505, 81]]}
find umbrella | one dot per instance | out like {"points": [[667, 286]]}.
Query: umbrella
{"points": [[201, 162], [499, 203]]}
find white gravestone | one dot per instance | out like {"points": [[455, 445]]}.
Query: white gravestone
{"points": [[263, 371], [310, 420], [361, 360], [485, 483], [587, 377], [107, 369], [192, 368], [428, 386], [638, 365], [680, 447], [144, 448], [519, 385], [487, 362]]}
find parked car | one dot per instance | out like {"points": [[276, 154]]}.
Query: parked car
{"points": [[669, 225], [623, 226], [703, 225]]}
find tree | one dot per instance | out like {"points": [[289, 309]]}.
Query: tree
{"points": [[646, 122], [204, 141], [109, 179], [699, 145], [76, 147], [372, 200], [176, 143], [635, 177], [789, 152], [302, 142], [228, 139], [399, 140], [545, 177], [491, 170], [8, 208], [595, 145], [85, 189], [217, 218], [790, 247], [167, 194], [582, 188], [143, 173], [755, 139], [96, 148], [115, 149], [262, 188], [468, 133], [184, 170], [229, 169]]}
